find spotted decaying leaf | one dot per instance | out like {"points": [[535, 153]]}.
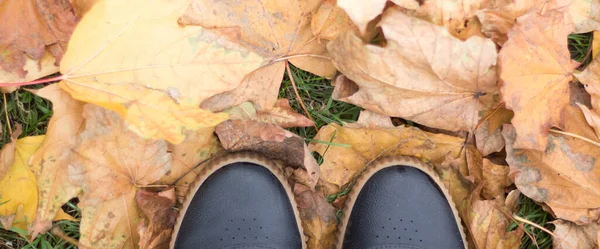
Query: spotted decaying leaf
{"points": [[487, 222], [155, 85], [568, 235], [111, 163], [34, 38], [51, 163], [417, 76], [355, 145], [563, 173], [273, 29], [319, 218], [537, 53]]}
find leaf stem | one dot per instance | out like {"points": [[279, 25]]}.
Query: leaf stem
{"points": [[6, 113], [35, 82], [576, 136], [289, 72]]}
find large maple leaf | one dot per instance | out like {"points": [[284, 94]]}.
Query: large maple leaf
{"points": [[132, 57], [535, 69], [417, 75]]}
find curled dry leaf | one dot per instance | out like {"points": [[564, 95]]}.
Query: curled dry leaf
{"points": [[18, 191], [268, 140], [141, 64], [362, 12], [417, 75], [158, 209], [111, 164], [353, 147], [563, 173], [536, 53], [51, 163], [281, 114], [488, 135], [188, 157], [319, 218], [330, 21], [270, 28], [487, 221], [495, 179], [590, 78], [34, 38], [568, 235]]}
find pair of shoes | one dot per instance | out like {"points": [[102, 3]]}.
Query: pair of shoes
{"points": [[244, 201]]}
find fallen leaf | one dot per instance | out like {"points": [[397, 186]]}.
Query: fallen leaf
{"points": [[113, 163], [497, 22], [330, 21], [7, 154], [274, 29], [35, 35], [188, 156], [18, 194], [487, 222], [417, 75], [595, 44], [590, 78], [562, 174], [51, 163], [536, 53], [362, 12], [495, 179], [319, 218], [585, 14], [568, 235], [268, 140], [350, 148], [82, 6], [141, 64], [158, 209], [488, 142], [281, 115]]}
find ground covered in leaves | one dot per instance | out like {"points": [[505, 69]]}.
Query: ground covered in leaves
{"points": [[499, 96]]}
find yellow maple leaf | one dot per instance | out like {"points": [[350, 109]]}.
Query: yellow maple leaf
{"points": [[133, 57]]}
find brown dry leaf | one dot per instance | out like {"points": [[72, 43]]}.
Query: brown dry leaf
{"points": [[417, 75], [34, 36], [82, 6], [188, 156], [349, 149], [7, 154], [141, 64], [271, 141], [488, 142], [536, 53], [568, 235], [585, 14], [330, 21], [319, 218], [112, 163], [274, 29], [495, 179], [563, 173], [51, 163], [281, 114], [496, 22], [362, 12], [158, 209], [487, 222], [590, 78]]}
